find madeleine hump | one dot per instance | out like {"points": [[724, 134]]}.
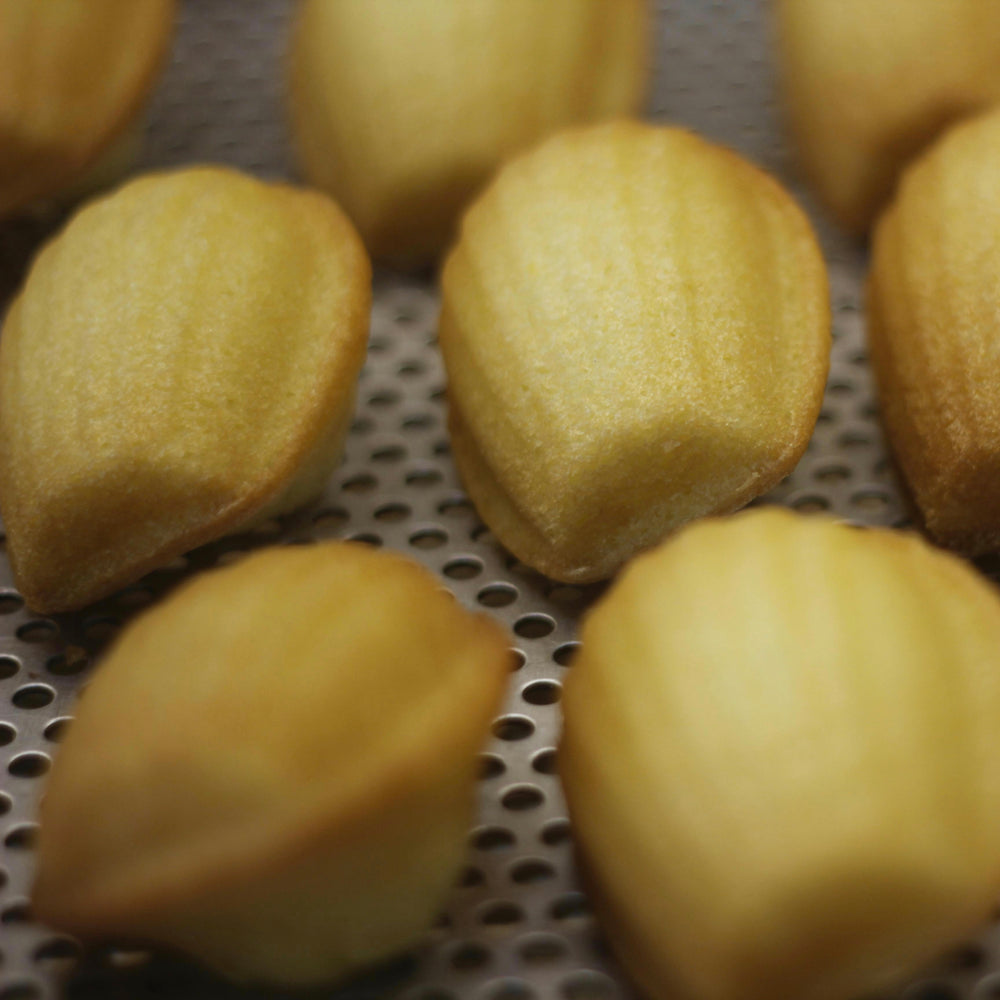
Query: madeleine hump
{"points": [[274, 770], [180, 362], [934, 334], [802, 795], [636, 331]]}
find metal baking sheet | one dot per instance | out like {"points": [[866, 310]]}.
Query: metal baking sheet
{"points": [[517, 926]]}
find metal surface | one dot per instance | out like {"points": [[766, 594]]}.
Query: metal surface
{"points": [[517, 926]]}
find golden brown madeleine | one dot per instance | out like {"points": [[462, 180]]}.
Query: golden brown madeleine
{"points": [[636, 332], [274, 770], [801, 797], [403, 110], [73, 75], [182, 359], [934, 333], [868, 83]]}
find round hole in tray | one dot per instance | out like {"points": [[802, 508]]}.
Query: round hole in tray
{"points": [[56, 949], [508, 989], [363, 482], [99, 631], [491, 765], [521, 798], [870, 500], [811, 504], [418, 422], [570, 906], [832, 474], [8, 667], [497, 595], [455, 507], [68, 664], [513, 727], [545, 761], [534, 626], [587, 985], [541, 949], [411, 368], [331, 518], [29, 765], [390, 513], [500, 913], [470, 877], [16, 913], [38, 631], [33, 696], [463, 568], [563, 655], [391, 453], [517, 659], [566, 595], [428, 538], [854, 439], [555, 832], [384, 398], [10, 601], [55, 731], [5, 804], [493, 838], [468, 955], [366, 538], [423, 477], [134, 597], [530, 871], [7, 734], [541, 692], [22, 837]]}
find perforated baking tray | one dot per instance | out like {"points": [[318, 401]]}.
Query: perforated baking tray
{"points": [[516, 926]]}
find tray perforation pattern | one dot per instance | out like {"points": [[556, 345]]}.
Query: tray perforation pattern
{"points": [[517, 925]]}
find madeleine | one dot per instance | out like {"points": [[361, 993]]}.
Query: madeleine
{"points": [[801, 798], [181, 360], [403, 110], [274, 770], [636, 331], [73, 75], [934, 330], [869, 83]]}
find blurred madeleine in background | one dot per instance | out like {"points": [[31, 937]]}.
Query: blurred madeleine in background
{"points": [[74, 75], [869, 83], [402, 111]]}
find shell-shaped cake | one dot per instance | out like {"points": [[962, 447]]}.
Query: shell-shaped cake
{"points": [[275, 769], [801, 797], [869, 83], [404, 110], [73, 75], [181, 360], [934, 334], [636, 330]]}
